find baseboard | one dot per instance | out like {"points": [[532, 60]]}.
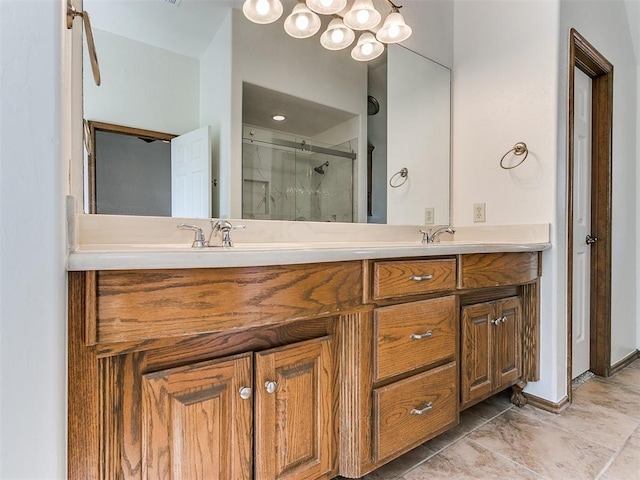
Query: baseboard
{"points": [[549, 406], [625, 362]]}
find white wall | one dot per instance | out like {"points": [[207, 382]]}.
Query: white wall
{"points": [[505, 81], [32, 255], [418, 137], [510, 85], [142, 86], [215, 110], [605, 26]]}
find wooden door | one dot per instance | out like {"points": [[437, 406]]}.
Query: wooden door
{"points": [[506, 342], [196, 421], [294, 404], [476, 347]]}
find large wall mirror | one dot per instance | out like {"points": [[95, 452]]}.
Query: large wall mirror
{"points": [[199, 75]]}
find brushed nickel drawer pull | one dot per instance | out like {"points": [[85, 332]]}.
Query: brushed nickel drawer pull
{"points": [[245, 393], [427, 407], [420, 278], [420, 336], [270, 386]]}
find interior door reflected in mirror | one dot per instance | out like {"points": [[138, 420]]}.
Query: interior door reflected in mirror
{"points": [[177, 69]]}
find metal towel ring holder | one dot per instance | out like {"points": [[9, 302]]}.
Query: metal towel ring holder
{"points": [[518, 149], [403, 174]]}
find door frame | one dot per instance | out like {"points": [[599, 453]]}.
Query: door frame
{"points": [[585, 57], [90, 129]]}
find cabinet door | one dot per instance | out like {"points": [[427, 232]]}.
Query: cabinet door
{"points": [[294, 411], [507, 344], [196, 424], [476, 346]]}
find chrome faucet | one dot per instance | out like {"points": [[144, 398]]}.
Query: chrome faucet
{"points": [[428, 237], [223, 229]]}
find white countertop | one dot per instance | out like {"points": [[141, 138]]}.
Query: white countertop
{"points": [[140, 256], [112, 242]]}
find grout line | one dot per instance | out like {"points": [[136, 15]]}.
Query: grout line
{"points": [[613, 458], [486, 421], [509, 459]]}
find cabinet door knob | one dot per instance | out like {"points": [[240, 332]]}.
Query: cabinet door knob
{"points": [[245, 392], [420, 278], [504, 319], [270, 386], [496, 321], [420, 336], [422, 411]]}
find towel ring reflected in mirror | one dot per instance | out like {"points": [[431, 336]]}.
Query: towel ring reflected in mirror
{"points": [[399, 178]]}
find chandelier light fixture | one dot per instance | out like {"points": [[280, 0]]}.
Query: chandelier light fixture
{"points": [[362, 16]]}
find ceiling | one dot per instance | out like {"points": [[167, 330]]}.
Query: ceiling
{"points": [[303, 117], [187, 28]]}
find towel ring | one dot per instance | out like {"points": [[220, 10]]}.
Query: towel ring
{"points": [[518, 149], [403, 173]]}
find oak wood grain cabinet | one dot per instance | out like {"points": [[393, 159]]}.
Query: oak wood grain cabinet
{"points": [[198, 421], [305, 371], [490, 348], [207, 373]]}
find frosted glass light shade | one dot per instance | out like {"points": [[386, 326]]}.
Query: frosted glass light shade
{"points": [[337, 35], [326, 7], [262, 11], [367, 48], [362, 16], [394, 29], [302, 22]]}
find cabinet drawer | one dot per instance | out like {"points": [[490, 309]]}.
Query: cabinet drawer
{"points": [[496, 269], [411, 411], [413, 335], [413, 277]]}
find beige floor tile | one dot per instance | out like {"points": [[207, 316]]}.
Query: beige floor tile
{"points": [[469, 421], [401, 465], [626, 465], [601, 425], [545, 449], [628, 378], [466, 460], [606, 394]]}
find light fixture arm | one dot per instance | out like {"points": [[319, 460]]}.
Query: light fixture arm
{"points": [[72, 13], [394, 7]]}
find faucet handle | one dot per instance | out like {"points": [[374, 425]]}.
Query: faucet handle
{"points": [[198, 240], [225, 227], [425, 235]]}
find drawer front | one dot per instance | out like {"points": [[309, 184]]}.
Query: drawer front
{"points": [[497, 269], [414, 335], [411, 411], [402, 278]]}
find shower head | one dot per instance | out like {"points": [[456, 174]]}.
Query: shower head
{"points": [[319, 169]]}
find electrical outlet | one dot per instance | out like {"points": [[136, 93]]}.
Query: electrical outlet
{"points": [[479, 213], [429, 216]]}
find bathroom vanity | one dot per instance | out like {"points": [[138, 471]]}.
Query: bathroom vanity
{"points": [[312, 363]]}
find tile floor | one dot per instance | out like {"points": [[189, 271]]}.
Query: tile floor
{"points": [[598, 437]]}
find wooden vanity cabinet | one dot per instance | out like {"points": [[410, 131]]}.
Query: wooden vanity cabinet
{"points": [[490, 348], [253, 393], [302, 371], [201, 420]]}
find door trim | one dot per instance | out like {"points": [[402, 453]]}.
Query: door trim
{"points": [[585, 57]]}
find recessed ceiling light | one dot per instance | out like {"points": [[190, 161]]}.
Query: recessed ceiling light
{"points": [[279, 118]]}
